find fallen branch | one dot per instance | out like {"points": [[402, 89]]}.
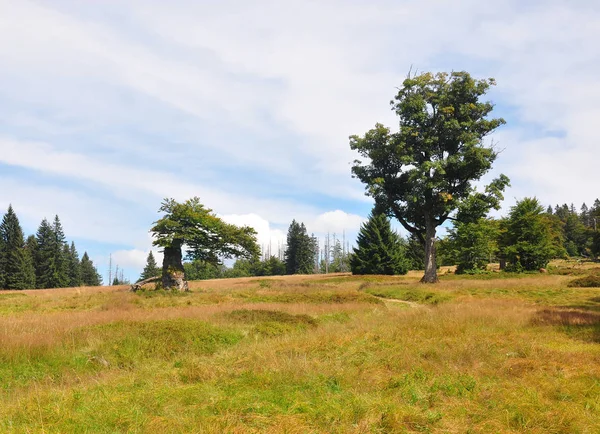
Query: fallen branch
{"points": [[138, 285]]}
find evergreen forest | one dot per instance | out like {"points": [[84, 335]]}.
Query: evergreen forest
{"points": [[42, 260]]}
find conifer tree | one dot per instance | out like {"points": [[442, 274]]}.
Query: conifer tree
{"points": [[45, 259], [299, 253], [61, 255], [89, 273], [379, 249], [15, 261], [29, 268], [529, 239], [31, 248], [74, 265], [2, 263], [151, 269]]}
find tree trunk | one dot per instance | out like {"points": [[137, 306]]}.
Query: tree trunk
{"points": [[430, 254], [173, 275]]}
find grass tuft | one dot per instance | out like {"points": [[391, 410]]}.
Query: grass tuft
{"points": [[591, 281]]}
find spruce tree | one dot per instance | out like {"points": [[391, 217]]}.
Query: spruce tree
{"points": [[31, 248], [151, 269], [45, 259], [74, 265], [379, 249], [529, 238], [89, 274], [300, 250], [61, 255], [2, 263], [15, 260], [29, 268]]}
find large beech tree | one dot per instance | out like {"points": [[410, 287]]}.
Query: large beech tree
{"points": [[205, 237], [424, 172]]}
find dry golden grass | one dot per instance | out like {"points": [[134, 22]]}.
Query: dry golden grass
{"points": [[474, 354]]}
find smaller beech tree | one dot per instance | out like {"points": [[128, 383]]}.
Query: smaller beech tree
{"points": [[473, 244], [380, 250], [205, 237]]}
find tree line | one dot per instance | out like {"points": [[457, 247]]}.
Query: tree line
{"points": [[423, 175], [525, 240], [43, 260]]}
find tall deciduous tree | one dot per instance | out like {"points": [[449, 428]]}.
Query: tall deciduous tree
{"points": [[300, 250], [205, 236], [379, 249], [151, 269], [421, 174]]}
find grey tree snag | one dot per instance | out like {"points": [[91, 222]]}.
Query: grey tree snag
{"points": [[173, 274]]}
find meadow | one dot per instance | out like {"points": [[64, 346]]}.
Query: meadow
{"points": [[492, 353]]}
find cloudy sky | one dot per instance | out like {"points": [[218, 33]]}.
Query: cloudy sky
{"points": [[106, 107]]}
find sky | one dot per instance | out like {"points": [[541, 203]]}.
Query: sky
{"points": [[107, 107]]}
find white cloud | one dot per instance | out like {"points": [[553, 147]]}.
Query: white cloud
{"points": [[267, 237], [189, 99], [336, 222], [134, 258]]}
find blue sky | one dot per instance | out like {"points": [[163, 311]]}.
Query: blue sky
{"points": [[108, 107]]}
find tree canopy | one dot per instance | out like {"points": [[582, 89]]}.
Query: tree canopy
{"points": [[205, 237], [422, 174]]}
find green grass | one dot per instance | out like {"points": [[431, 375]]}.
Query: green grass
{"points": [[421, 294], [305, 355]]}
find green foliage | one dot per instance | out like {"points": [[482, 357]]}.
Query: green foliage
{"points": [[150, 269], [50, 266], [201, 270], [16, 262], [273, 266], [595, 247], [74, 265], [89, 274], [473, 244], [424, 173], [205, 236], [61, 256], [300, 250], [415, 253], [577, 238], [529, 239], [379, 249]]}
